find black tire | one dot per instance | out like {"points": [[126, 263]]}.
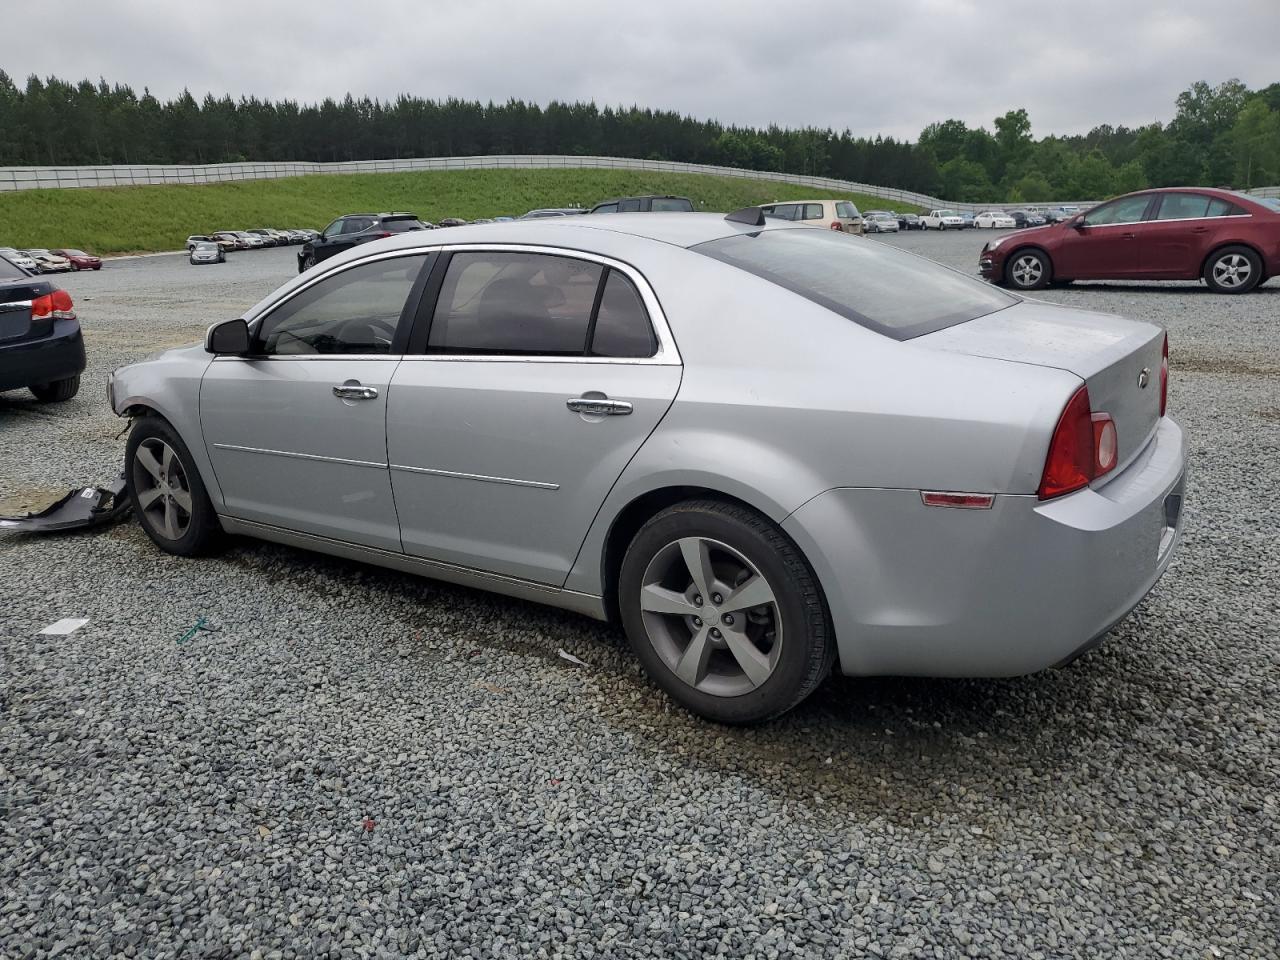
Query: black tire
{"points": [[1233, 269], [203, 531], [57, 391], [807, 648], [75, 268], [1028, 269], [307, 262]]}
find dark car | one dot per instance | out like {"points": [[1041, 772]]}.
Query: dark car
{"points": [[41, 346], [80, 260], [352, 229], [1229, 240], [909, 221], [545, 212], [1026, 218], [452, 222], [649, 204]]}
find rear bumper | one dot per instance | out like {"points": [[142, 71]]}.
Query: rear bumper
{"points": [[1026, 585], [55, 357]]}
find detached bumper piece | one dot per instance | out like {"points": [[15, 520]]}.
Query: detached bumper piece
{"points": [[80, 509]]}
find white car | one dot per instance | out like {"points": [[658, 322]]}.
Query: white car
{"points": [[994, 220], [942, 220], [19, 259]]}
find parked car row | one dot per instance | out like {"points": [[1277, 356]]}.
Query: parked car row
{"points": [[228, 240], [41, 260]]}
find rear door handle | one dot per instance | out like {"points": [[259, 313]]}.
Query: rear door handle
{"points": [[351, 390], [1199, 229], [600, 407]]}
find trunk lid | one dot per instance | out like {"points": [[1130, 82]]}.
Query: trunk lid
{"points": [[1108, 353], [15, 309]]}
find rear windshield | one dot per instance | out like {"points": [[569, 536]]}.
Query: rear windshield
{"points": [[846, 210], [887, 290], [1271, 203], [677, 204], [403, 225], [10, 271]]}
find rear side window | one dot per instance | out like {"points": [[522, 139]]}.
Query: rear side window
{"points": [[356, 224], [782, 211], [354, 312], [812, 211], [671, 205], [629, 206], [514, 303], [846, 209], [1183, 206], [884, 289], [622, 326]]}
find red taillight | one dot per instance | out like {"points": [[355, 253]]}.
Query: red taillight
{"points": [[1085, 446], [837, 225], [1164, 376], [56, 306]]}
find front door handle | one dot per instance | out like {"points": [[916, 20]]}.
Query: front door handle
{"points": [[599, 406], [352, 390]]}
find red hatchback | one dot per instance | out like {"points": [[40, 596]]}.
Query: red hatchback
{"points": [[1229, 240], [80, 260]]}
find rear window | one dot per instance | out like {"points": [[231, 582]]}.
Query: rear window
{"points": [[884, 289], [671, 204], [10, 271], [845, 209]]}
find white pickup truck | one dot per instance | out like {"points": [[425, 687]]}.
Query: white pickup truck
{"points": [[942, 220]]}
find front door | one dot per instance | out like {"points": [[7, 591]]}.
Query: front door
{"points": [[1103, 243], [537, 381], [296, 430]]}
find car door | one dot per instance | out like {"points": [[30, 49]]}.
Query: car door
{"points": [[1103, 243], [532, 379], [1183, 228], [296, 430]]}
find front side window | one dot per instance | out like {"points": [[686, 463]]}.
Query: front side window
{"points": [[1124, 210], [884, 289], [514, 303], [607, 208], [354, 312]]}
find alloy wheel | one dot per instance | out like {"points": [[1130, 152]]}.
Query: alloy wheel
{"points": [[163, 490], [711, 616], [1026, 270], [1233, 270]]}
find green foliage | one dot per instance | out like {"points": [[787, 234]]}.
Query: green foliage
{"points": [[136, 219]]}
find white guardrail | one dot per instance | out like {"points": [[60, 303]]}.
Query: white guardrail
{"points": [[128, 175]]}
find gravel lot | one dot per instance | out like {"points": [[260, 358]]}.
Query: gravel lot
{"points": [[209, 797]]}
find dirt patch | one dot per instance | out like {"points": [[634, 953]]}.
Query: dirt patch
{"points": [[1270, 414], [148, 339], [16, 501], [1204, 361]]}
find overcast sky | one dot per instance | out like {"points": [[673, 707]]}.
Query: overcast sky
{"points": [[886, 68]]}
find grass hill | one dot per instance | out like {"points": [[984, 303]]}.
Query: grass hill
{"points": [[142, 219]]}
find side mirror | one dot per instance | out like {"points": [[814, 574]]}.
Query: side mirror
{"points": [[230, 337]]}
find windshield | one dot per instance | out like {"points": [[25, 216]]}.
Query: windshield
{"points": [[946, 213], [10, 271], [887, 290]]}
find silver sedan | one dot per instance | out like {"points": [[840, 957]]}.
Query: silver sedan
{"points": [[761, 449]]}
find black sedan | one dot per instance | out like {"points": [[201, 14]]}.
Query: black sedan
{"points": [[41, 346], [353, 229]]}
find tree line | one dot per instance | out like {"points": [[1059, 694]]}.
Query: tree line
{"points": [[1223, 135]]}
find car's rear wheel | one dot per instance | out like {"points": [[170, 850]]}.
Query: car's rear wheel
{"points": [[168, 496], [1028, 270], [724, 613], [57, 391], [1233, 270]]}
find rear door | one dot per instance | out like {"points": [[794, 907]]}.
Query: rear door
{"points": [[528, 388], [1104, 244], [1184, 228], [296, 431]]}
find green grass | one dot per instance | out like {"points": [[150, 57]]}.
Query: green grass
{"points": [[140, 219]]}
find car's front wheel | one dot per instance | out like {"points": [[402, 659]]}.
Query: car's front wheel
{"points": [[1233, 270], [1028, 270], [168, 496], [306, 262], [57, 391], [724, 613]]}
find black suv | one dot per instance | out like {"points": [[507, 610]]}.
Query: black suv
{"points": [[355, 228], [650, 204], [40, 342]]}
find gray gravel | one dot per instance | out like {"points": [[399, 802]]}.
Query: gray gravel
{"points": [[209, 797]]}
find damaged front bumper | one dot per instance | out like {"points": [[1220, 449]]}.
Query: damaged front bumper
{"points": [[80, 509]]}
